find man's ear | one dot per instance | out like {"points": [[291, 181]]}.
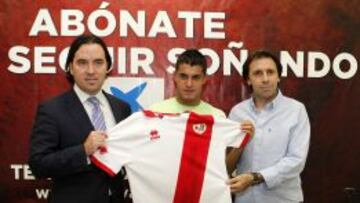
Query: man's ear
{"points": [[206, 80], [173, 79], [70, 69], [205, 84], [110, 69]]}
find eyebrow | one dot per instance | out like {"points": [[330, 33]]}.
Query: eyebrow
{"points": [[99, 59]]}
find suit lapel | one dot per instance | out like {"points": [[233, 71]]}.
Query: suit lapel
{"points": [[116, 108], [80, 118]]}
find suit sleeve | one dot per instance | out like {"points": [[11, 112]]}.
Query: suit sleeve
{"points": [[46, 158]]}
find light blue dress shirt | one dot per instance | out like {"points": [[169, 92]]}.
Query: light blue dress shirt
{"points": [[278, 149]]}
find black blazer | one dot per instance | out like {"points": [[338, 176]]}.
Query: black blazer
{"points": [[56, 150]]}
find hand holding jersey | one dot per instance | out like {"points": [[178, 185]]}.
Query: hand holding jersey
{"points": [[94, 141]]}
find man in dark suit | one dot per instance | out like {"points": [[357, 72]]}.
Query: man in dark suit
{"points": [[71, 127]]}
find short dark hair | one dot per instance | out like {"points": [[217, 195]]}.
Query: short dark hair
{"points": [[192, 57], [75, 46], [259, 55]]}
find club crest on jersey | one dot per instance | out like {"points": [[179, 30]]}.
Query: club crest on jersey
{"points": [[199, 128], [154, 134]]}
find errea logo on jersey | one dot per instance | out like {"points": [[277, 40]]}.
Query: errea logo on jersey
{"points": [[154, 134], [138, 92], [199, 128]]}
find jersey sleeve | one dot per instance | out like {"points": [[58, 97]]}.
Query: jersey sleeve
{"points": [[232, 133], [120, 145]]}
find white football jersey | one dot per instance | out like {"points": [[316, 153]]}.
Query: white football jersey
{"points": [[172, 158]]}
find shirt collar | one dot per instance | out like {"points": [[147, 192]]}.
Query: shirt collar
{"points": [[83, 96], [188, 106], [269, 106], [276, 101]]}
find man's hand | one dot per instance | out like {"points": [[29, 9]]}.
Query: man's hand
{"points": [[247, 127], [94, 140], [233, 154], [241, 182]]}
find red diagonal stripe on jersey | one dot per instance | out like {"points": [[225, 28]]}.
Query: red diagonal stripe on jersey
{"points": [[193, 160], [245, 140], [101, 165]]}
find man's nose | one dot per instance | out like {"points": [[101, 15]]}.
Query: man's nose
{"points": [[90, 69], [265, 77], [189, 82]]}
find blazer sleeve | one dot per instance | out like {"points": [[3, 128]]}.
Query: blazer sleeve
{"points": [[46, 158]]}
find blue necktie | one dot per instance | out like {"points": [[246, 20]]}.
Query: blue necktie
{"points": [[97, 117]]}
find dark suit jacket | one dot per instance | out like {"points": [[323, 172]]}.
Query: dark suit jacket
{"points": [[56, 151]]}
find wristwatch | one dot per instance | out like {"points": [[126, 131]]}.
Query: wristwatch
{"points": [[257, 178]]}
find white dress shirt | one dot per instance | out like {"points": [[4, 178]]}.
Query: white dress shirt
{"points": [[278, 149], [104, 105]]}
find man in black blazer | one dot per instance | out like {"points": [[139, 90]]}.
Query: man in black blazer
{"points": [[64, 136]]}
